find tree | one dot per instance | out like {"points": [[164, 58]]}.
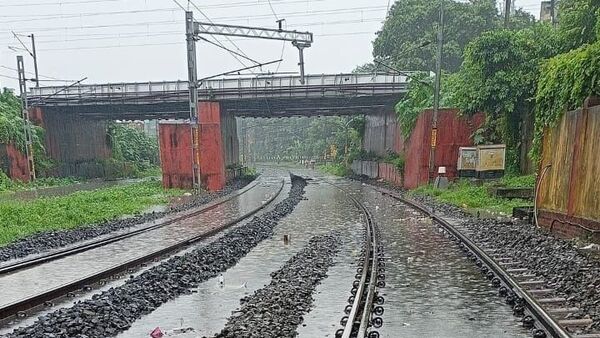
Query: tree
{"points": [[410, 23], [578, 22], [499, 77]]}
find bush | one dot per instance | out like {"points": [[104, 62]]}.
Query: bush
{"points": [[134, 146], [336, 169]]}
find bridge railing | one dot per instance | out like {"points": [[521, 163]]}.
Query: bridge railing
{"points": [[226, 88]]}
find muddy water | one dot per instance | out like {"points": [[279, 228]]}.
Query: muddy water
{"points": [[207, 310], [44, 277]]}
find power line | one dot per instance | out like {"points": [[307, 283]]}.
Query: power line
{"points": [[226, 18], [57, 3], [228, 39]]}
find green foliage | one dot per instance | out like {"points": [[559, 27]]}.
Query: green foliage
{"points": [[469, 196], [22, 218], [337, 169], [8, 185], [565, 82], [411, 23], [308, 138], [525, 181], [499, 77], [12, 130], [578, 22], [134, 146], [398, 160], [420, 97]]}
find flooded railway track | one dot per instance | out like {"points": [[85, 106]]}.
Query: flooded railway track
{"points": [[19, 307], [541, 312], [365, 310]]}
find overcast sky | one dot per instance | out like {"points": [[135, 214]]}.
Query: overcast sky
{"points": [[143, 40]]}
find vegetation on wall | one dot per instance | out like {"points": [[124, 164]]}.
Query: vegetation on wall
{"points": [[565, 82], [12, 130], [499, 77]]}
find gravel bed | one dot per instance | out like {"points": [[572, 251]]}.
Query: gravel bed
{"points": [[45, 241], [573, 273], [277, 309], [113, 311]]}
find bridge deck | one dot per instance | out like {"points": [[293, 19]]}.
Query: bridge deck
{"points": [[258, 96]]}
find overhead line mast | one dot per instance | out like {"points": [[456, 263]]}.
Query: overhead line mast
{"points": [[300, 40]]}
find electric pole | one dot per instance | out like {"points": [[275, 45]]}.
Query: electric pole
{"points": [[193, 96], [507, 7], [553, 12], [25, 116], [35, 65], [436, 93]]}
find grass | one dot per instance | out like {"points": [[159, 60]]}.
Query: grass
{"points": [[8, 185], [337, 169], [468, 196], [527, 181], [22, 218]]}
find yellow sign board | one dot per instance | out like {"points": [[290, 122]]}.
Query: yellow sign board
{"points": [[433, 137], [491, 157]]}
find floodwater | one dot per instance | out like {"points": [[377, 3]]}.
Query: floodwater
{"points": [[432, 288], [44, 277], [207, 310]]}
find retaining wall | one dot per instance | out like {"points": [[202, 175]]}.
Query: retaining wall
{"points": [[13, 162], [568, 199], [384, 171]]}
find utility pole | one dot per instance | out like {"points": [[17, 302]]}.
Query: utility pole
{"points": [[507, 6], [35, 65], [553, 12], [25, 116], [436, 93], [193, 96]]}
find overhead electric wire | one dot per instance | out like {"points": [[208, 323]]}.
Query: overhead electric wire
{"points": [[226, 37], [226, 18], [32, 73], [227, 49], [56, 3]]}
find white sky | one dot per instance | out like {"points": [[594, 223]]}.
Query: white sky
{"points": [[96, 39]]}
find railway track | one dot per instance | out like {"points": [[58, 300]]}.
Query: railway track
{"points": [[46, 298], [30, 262], [363, 314], [543, 313]]}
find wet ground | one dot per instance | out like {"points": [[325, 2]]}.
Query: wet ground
{"points": [[20, 284], [63, 190], [432, 289]]}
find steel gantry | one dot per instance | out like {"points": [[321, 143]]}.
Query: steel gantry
{"points": [[300, 40]]}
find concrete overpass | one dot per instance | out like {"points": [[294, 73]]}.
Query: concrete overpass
{"points": [[265, 96], [75, 118]]}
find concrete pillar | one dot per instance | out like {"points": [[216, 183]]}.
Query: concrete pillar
{"points": [[78, 145], [176, 150], [212, 160]]}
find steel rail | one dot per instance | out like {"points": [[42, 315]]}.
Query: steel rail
{"points": [[27, 263], [362, 305], [49, 295], [535, 309]]}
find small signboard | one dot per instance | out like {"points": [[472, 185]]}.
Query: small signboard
{"points": [[467, 161], [491, 161]]}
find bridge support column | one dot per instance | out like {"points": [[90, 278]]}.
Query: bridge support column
{"points": [[176, 150], [78, 145]]}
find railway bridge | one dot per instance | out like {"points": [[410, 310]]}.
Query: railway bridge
{"points": [[75, 118]]}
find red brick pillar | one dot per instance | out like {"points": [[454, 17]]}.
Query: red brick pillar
{"points": [[212, 159], [175, 142]]}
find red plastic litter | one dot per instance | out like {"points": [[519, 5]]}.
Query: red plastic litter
{"points": [[156, 333]]}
